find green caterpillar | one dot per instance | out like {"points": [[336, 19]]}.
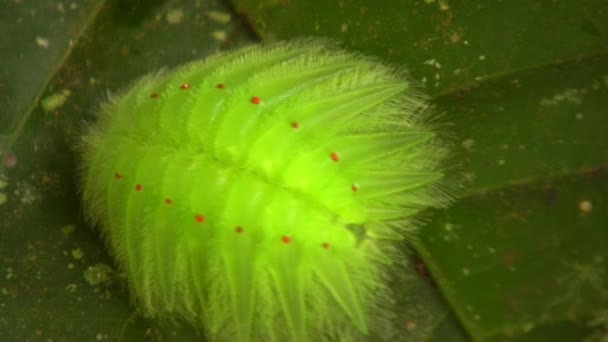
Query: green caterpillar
{"points": [[260, 194]]}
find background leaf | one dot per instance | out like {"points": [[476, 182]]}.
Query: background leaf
{"points": [[524, 85]]}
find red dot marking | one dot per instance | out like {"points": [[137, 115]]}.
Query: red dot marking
{"points": [[295, 125], [154, 96], [200, 218], [325, 245], [117, 176], [335, 157], [168, 201], [239, 230], [355, 187], [139, 187], [220, 86], [286, 239], [185, 86], [256, 100]]}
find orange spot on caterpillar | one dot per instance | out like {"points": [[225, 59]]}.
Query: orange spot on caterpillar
{"points": [[199, 218], [154, 96], [220, 86], [185, 86], [335, 157], [325, 245], [355, 187], [139, 187], [117, 176], [286, 239], [295, 125], [256, 100], [239, 230], [168, 201]]}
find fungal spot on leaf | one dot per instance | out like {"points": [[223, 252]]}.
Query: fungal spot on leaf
{"points": [[220, 86], [99, 274], [220, 35], [286, 239], [168, 201], [335, 157], [325, 245], [411, 325], [175, 16], [256, 100], [55, 101], [154, 96], [77, 253], [199, 218], [139, 187], [117, 176], [218, 16], [239, 230], [585, 206], [569, 96], [355, 187], [185, 86], [295, 125]]}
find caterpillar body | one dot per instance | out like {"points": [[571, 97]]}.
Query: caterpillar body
{"points": [[260, 194]]}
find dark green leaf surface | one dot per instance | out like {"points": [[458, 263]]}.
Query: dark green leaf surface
{"points": [[447, 44], [35, 39], [525, 86]]}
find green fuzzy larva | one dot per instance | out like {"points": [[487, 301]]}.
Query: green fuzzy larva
{"points": [[260, 194]]}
